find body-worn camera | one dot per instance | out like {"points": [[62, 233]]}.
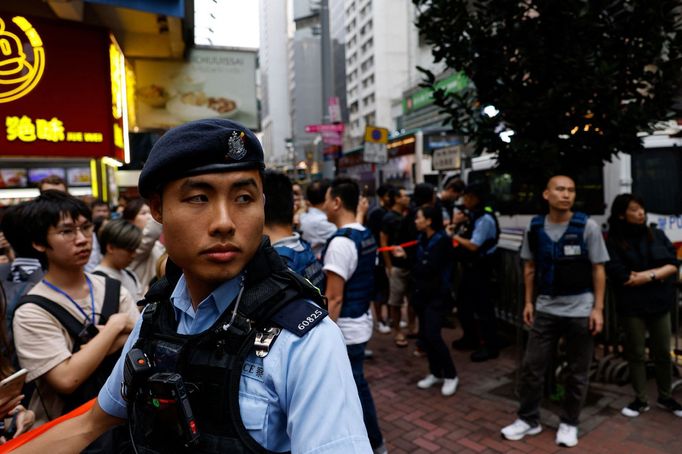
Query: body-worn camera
{"points": [[167, 390]]}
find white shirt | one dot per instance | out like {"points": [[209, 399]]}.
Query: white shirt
{"points": [[316, 229], [342, 258]]}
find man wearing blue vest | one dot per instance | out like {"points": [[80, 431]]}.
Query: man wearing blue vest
{"points": [[279, 218], [349, 259], [564, 255]]}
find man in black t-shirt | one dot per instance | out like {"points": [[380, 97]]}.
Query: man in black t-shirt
{"points": [[374, 221]]}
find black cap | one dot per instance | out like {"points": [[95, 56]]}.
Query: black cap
{"points": [[480, 190], [198, 147]]}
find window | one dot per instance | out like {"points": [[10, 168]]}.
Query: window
{"points": [[656, 179], [510, 196]]}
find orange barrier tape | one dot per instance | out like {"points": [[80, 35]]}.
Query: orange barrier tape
{"points": [[34, 433], [455, 243]]}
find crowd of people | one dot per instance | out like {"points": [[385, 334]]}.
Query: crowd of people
{"points": [[223, 258]]}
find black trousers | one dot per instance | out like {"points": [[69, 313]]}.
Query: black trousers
{"points": [[475, 308], [431, 313]]}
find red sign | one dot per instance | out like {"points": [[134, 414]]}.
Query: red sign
{"points": [[335, 127], [56, 91]]}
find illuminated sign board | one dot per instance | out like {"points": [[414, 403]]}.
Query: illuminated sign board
{"points": [[62, 90]]}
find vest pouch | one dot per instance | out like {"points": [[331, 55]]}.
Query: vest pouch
{"points": [[572, 276]]}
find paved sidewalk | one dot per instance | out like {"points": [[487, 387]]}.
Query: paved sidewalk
{"points": [[422, 421]]}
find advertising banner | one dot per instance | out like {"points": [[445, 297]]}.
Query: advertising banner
{"points": [[213, 83], [56, 90]]}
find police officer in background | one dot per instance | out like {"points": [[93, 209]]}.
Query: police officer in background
{"points": [[477, 245], [232, 353], [279, 218]]}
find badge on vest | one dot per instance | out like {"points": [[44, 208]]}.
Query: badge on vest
{"points": [[571, 250]]}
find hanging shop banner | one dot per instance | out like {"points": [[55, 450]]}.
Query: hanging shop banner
{"points": [[57, 98], [211, 84]]}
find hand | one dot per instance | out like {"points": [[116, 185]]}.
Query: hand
{"points": [[122, 323], [450, 229], [634, 279], [596, 321], [528, 314], [398, 252], [363, 205], [8, 403], [25, 419]]}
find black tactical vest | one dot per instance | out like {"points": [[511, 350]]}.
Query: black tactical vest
{"points": [[272, 298]]}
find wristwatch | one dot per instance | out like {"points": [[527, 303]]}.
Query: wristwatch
{"points": [[652, 276]]}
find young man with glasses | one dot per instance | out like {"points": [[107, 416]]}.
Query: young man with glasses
{"points": [[71, 325]]}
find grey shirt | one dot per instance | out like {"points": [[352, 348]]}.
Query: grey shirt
{"points": [[569, 305]]}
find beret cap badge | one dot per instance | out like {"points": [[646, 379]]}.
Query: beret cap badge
{"points": [[235, 146]]}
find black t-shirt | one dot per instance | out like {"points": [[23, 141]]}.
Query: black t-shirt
{"points": [[374, 221], [394, 226]]}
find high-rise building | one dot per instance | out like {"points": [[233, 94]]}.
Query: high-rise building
{"points": [[376, 61], [274, 78]]}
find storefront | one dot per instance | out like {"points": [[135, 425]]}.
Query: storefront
{"points": [[63, 107]]}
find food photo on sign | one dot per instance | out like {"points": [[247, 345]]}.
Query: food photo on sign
{"points": [[211, 84]]}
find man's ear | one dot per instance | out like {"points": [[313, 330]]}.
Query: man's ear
{"points": [[155, 208], [545, 194], [39, 247]]}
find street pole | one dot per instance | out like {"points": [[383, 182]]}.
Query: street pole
{"points": [[327, 90]]}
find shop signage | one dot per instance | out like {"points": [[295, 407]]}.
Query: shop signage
{"points": [[57, 98], [424, 97], [448, 158], [334, 127], [212, 83]]}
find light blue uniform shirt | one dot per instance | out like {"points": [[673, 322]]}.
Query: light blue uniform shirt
{"points": [[484, 229], [301, 397]]}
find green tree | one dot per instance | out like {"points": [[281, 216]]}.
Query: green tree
{"points": [[575, 80]]}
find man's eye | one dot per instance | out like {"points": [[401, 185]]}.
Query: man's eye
{"points": [[67, 232], [196, 198], [244, 198]]}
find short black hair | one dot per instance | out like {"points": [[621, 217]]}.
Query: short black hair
{"points": [[423, 194], [51, 179], [393, 193], [383, 189], [46, 211], [455, 184], [132, 208], [121, 234], [348, 191], [433, 213], [14, 228], [279, 199], [316, 191]]}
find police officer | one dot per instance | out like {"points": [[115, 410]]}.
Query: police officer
{"points": [[279, 219], [564, 255], [476, 246], [232, 353]]}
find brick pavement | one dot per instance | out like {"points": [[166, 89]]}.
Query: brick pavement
{"points": [[422, 421]]}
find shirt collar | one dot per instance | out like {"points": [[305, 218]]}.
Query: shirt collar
{"points": [[220, 298]]}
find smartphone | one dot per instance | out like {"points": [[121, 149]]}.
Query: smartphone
{"points": [[12, 385]]}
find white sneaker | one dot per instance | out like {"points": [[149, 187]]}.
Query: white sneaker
{"points": [[449, 386], [428, 381], [567, 435], [519, 429], [383, 328]]}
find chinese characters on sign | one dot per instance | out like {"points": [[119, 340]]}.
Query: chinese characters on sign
{"points": [[26, 130]]}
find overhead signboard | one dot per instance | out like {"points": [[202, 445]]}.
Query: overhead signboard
{"points": [[332, 127], [213, 83], [61, 92], [424, 96], [448, 158]]}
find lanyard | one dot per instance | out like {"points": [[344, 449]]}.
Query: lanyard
{"points": [[92, 299]]}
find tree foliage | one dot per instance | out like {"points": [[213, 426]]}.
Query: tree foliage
{"points": [[576, 80]]}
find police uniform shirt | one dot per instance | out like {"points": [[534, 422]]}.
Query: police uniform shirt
{"points": [[301, 397], [569, 305], [293, 242], [484, 230]]}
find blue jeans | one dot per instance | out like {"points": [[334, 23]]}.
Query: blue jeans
{"points": [[356, 354]]}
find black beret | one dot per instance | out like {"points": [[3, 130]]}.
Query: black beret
{"points": [[198, 147]]}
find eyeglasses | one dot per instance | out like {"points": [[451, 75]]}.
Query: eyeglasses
{"points": [[69, 233]]}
